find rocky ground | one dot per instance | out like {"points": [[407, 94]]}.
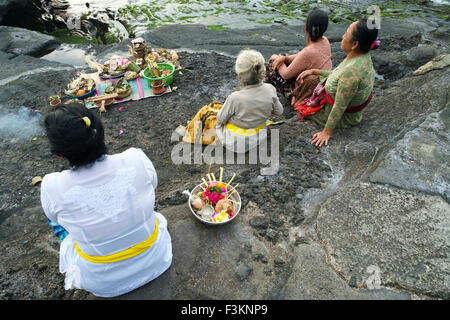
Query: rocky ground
{"points": [[372, 203]]}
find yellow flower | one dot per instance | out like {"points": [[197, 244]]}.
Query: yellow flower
{"points": [[221, 185], [221, 217]]}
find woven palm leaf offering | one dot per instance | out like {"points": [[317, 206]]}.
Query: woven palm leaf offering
{"points": [[215, 202]]}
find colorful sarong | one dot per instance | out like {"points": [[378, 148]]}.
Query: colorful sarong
{"points": [[319, 98]]}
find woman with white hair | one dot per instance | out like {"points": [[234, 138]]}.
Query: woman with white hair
{"points": [[239, 122]]}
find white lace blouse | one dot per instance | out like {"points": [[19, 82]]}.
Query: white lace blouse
{"points": [[107, 208]]}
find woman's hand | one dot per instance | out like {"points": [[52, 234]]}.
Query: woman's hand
{"points": [[273, 57], [322, 137], [307, 73], [278, 62]]}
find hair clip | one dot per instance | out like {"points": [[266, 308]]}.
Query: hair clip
{"points": [[87, 121], [375, 44]]}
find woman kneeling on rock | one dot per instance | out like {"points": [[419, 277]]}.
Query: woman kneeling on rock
{"points": [[338, 101], [282, 71], [103, 207], [239, 121]]}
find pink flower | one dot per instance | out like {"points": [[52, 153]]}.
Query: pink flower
{"points": [[224, 190], [207, 192]]}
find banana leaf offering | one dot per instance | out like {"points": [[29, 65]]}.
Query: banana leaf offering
{"points": [[120, 87]]}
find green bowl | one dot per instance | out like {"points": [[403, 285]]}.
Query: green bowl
{"points": [[166, 79]]}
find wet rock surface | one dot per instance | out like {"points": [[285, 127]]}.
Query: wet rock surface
{"points": [[21, 41], [307, 232], [402, 235]]}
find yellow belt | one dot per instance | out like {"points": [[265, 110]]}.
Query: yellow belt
{"points": [[244, 132], [125, 254]]}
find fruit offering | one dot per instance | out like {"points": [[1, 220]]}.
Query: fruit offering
{"points": [[80, 86]]}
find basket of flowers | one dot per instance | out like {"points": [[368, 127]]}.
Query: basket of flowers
{"points": [[214, 202]]}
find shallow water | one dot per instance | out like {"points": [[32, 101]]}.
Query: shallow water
{"points": [[130, 18], [69, 54]]}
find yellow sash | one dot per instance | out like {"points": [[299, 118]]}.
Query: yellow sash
{"points": [[244, 132], [122, 255]]}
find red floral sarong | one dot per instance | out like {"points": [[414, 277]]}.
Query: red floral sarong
{"points": [[318, 99]]}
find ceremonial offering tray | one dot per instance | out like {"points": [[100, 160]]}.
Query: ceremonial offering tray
{"points": [[114, 68], [121, 87], [80, 88], [214, 202]]}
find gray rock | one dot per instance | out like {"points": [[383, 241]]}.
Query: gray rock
{"points": [[243, 271], [388, 234], [279, 261], [312, 278], [16, 8], [259, 222], [419, 55], [419, 161], [21, 41]]}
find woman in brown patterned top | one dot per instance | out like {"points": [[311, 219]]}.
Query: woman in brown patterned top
{"points": [[282, 70]]}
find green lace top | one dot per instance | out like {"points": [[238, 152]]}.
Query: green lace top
{"points": [[350, 84]]}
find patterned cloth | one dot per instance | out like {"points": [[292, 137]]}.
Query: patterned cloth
{"points": [[285, 87], [59, 231], [290, 88], [202, 129], [349, 85], [141, 89]]}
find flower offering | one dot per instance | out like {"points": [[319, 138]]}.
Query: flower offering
{"points": [[213, 202]]}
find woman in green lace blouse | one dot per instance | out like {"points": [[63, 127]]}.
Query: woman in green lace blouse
{"points": [[347, 89]]}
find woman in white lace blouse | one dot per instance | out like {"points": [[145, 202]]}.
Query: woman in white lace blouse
{"points": [[116, 242]]}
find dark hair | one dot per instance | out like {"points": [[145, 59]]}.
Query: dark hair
{"points": [[365, 36], [71, 137], [316, 24]]}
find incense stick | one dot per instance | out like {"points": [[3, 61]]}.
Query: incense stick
{"points": [[221, 174], [210, 163], [232, 178], [234, 190]]}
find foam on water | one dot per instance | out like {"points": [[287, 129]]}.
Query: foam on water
{"points": [[19, 124]]}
